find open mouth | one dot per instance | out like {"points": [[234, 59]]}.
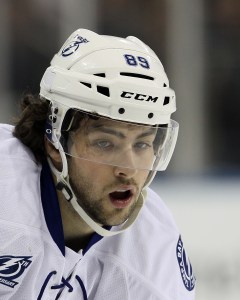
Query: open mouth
{"points": [[121, 198], [120, 195]]}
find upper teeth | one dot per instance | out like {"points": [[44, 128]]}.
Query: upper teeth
{"points": [[121, 190]]}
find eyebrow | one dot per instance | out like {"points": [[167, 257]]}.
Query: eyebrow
{"points": [[119, 134]]}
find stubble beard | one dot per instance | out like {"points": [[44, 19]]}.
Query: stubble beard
{"points": [[94, 206]]}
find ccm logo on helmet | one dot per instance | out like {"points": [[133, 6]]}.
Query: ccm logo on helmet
{"points": [[140, 97]]}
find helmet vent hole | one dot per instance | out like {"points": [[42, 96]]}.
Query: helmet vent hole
{"points": [[150, 115], [121, 110], [164, 85], [142, 76], [86, 84], [103, 90], [100, 74], [166, 100]]}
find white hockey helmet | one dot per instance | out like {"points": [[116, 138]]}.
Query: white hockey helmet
{"points": [[119, 79]]}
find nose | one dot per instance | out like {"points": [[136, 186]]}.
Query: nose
{"points": [[124, 172], [126, 167]]}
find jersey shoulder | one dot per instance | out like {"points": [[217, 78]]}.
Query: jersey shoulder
{"points": [[157, 214], [11, 147], [19, 181]]}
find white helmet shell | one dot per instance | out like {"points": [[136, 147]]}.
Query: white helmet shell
{"points": [[118, 78]]}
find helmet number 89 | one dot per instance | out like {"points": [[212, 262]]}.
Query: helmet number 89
{"points": [[136, 60]]}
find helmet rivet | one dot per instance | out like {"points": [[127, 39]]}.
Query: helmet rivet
{"points": [[121, 110], [150, 115]]}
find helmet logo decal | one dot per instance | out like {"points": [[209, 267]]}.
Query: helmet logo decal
{"points": [[12, 267], [73, 45], [185, 266], [140, 97]]}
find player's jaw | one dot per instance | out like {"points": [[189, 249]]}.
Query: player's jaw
{"points": [[110, 205]]}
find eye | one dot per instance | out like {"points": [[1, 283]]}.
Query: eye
{"points": [[142, 146], [103, 144]]}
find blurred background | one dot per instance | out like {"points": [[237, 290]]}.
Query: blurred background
{"points": [[198, 42]]}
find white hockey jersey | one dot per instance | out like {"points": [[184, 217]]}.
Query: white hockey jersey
{"points": [[146, 262]]}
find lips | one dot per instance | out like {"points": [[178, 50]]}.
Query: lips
{"points": [[121, 197]]}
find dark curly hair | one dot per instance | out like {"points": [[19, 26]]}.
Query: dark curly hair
{"points": [[30, 125]]}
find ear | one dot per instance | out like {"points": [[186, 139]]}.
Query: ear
{"points": [[53, 153]]}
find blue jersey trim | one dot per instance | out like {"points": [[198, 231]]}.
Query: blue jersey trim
{"points": [[94, 239], [51, 207]]}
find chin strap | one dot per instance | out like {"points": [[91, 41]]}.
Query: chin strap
{"points": [[64, 186]]}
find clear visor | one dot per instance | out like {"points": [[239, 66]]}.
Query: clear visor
{"points": [[111, 142]]}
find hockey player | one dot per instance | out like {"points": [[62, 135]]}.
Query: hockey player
{"points": [[77, 217]]}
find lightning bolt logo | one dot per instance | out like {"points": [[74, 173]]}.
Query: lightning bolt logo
{"points": [[12, 267], [185, 266]]}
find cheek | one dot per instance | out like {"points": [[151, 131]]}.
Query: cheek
{"points": [[90, 171], [142, 176]]}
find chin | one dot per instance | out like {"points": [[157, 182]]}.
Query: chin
{"points": [[117, 221]]}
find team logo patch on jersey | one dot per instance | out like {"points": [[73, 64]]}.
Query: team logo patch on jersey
{"points": [[185, 266], [73, 46], [12, 267]]}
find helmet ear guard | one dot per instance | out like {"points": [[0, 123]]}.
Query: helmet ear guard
{"points": [[116, 78]]}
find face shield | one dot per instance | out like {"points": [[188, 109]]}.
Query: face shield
{"points": [[102, 140]]}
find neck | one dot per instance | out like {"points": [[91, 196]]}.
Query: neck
{"points": [[76, 232]]}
